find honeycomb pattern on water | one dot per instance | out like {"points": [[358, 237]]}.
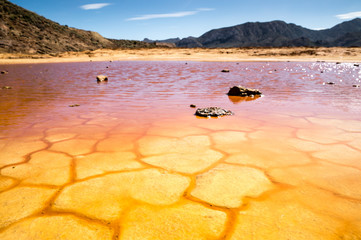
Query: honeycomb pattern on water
{"points": [[90, 173], [204, 184]]}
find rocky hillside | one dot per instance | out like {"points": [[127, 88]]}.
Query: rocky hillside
{"points": [[22, 31], [277, 34]]}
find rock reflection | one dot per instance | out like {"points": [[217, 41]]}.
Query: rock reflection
{"points": [[236, 99]]}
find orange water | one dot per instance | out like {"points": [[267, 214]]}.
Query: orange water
{"points": [[134, 161]]}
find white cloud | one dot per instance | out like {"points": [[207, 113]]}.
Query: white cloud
{"points": [[165, 15], [94, 6], [350, 15], [169, 15], [205, 9]]}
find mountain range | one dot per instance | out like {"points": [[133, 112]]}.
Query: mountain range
{"points": [[277, 34], [23, 31]]}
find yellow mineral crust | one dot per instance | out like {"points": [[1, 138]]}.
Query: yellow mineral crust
{"points": [[186, 155], [341, 154], [180, 131], [14, 151], [43, 168], [229, 141], [99, 163], [186, 162], [283, 217], [154, 145], [106, 197], [56, 227], [338, 179], [120, 142], [59, 134], [267, 154], [21, 202], [186, 220], [323, 135], [226, 185], [75, 146], [5, 183]]}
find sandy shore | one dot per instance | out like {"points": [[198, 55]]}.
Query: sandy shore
{"points": [[174, 54]]}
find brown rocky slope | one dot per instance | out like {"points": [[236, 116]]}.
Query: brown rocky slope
{"points": [[22, 31]]}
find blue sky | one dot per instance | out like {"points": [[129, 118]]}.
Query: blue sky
{"points": [[162, 19]]}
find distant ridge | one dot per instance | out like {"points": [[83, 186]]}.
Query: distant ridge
{"points": [[277, 34], [22, 31], [171, 42]]}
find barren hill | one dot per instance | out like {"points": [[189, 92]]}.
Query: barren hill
{"points": [[277, 34], [22, 31]]}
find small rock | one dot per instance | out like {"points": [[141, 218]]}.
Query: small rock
{"points": [[225, 70], [4, 72], [338, 62], [6, 87], [102, 78], [192, 106], [330, 83], [356, 65], [356, 86], [212, 112], [242, 91], [74, 105]]}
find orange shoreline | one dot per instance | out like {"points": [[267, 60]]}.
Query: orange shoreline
{"points": [[336, 54]]}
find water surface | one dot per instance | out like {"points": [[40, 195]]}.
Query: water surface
{"points": [[133, 162]]}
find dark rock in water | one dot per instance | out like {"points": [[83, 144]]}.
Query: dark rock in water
{"points": [[4, 72], [74, 105], [102, 78], [212, 112], [330, 83], [225, 70], [243, 92], [356, 86], [6, 87], [338, 62], [356, 65], [192, 106]]}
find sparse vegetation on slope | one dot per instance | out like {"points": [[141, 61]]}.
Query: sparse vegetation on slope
{"points": [[22, 31]]}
